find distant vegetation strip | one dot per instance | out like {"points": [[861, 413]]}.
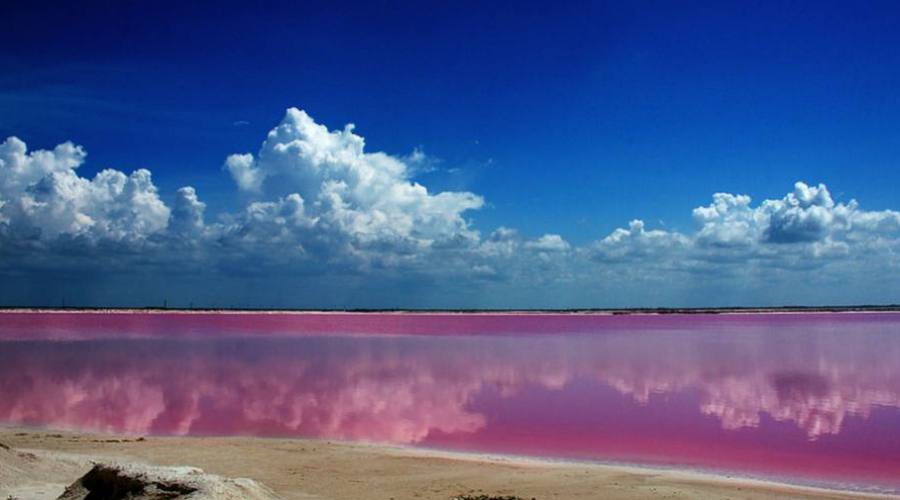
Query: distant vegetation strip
{"points": [[613, 311]]}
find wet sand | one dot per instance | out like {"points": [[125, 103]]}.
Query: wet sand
{"points": [[40, 463]]}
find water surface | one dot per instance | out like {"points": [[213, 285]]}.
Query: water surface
{"points": [[808, 397]]}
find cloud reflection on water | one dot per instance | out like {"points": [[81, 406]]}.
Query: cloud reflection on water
{"points": [[403, 389]]}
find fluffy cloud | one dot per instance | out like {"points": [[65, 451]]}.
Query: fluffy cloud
{"points": [[549, 243], [244, 173], [42, 195], [637, 243], [806, 215], [806, 228], [314, 201], [727, 222], [187, 214], [366, 198]]}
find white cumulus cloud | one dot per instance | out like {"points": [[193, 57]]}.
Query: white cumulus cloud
{"points": [[549, 243], [187, 213], [315, 203], [41, 192], [366, 198]]}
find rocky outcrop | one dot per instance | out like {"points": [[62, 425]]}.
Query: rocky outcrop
{"points": [[144, 482]]}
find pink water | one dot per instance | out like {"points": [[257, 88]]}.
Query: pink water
{"points": [[806, 397]]}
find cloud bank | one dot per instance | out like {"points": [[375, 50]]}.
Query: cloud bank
{"points": [[324, 223]]}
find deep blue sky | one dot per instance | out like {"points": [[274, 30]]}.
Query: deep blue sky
{"points": [[569, 118]]}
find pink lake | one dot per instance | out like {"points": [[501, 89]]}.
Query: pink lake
{"points": [[812, 398]]}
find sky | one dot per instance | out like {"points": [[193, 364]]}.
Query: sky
{"points": [[510, 155]]}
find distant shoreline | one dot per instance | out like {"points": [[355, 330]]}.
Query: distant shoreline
{"points": [[590, 311]]}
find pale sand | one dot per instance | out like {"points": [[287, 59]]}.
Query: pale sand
{"points": [[40, 463]]}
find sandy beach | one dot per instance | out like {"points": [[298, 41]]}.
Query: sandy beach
{"points": [[39, 464]]}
